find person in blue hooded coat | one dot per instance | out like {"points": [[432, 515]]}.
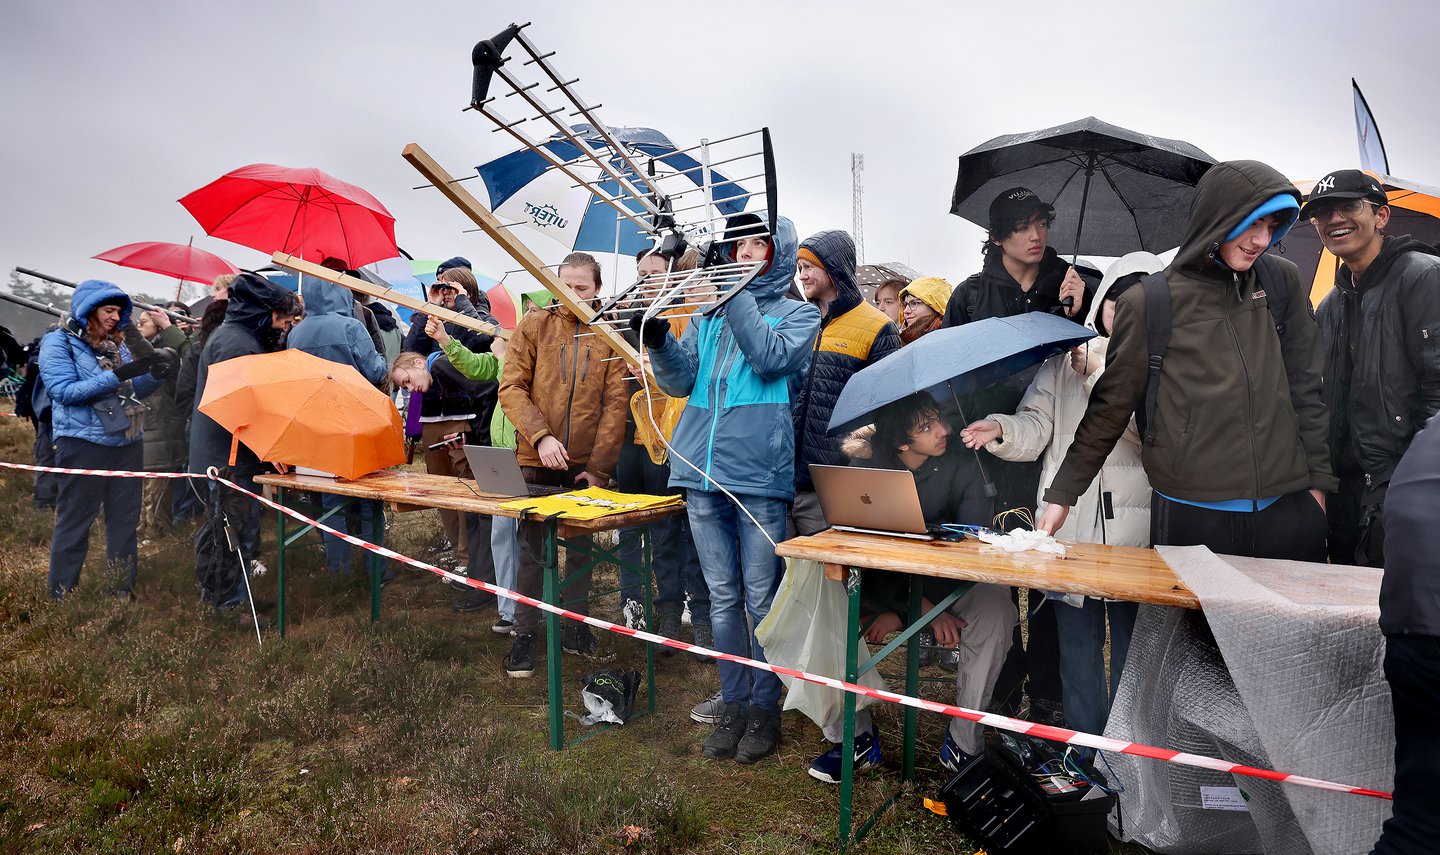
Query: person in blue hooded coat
{"points": [[741, 368], [95, 368], [331, 331]]}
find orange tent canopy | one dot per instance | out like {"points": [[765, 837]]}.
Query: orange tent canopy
{"points": [[294, 408]]}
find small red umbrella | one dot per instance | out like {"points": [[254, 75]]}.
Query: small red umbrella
{"points": [[303, 212], [181, 261]]}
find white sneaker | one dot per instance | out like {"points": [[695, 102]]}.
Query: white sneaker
{"points": [[257, 568], [709, 710], [459, 586]]}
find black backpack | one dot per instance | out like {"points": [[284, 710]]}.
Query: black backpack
{"points": [[1158, 320]]}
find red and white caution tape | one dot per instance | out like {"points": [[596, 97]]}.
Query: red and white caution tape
{"points": [[1015, 725]]}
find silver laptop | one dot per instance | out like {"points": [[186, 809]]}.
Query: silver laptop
{"points": [[497, 473], [872, 501]]}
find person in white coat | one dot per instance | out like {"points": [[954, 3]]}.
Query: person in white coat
{"points": [[1115, 510]]}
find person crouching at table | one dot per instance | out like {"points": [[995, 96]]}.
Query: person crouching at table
{"points": [[911, 434]]}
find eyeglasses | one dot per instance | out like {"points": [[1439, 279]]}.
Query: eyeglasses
{"points": [[914, 304], [1347, 209]]}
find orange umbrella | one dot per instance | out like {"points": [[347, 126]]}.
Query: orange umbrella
{"points": [[293, 408]]}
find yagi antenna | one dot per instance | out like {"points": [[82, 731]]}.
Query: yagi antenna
{"points": [[613, 164]]}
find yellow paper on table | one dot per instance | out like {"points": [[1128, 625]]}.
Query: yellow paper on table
{"points": [[590, 503]]}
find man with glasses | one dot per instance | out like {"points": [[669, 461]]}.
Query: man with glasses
{"points": [[1381, 329]]}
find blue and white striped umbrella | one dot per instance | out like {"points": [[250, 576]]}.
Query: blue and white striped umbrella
{"points": [[525, 187]]}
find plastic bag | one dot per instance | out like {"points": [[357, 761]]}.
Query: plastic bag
{"points": [[805, 630], [609, 695]]}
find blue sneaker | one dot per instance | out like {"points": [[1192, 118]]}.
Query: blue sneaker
{"points": [[826, 767], [951, 757]]}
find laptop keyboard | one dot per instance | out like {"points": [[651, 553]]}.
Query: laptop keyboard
{"points": [[541, 490]]}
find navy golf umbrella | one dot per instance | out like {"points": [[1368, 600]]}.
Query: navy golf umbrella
{"points": [[954, 361], [1116, 190]]}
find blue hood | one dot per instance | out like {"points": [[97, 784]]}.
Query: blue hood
{"points": [[775, 281], [327, 298], [93, 292]]}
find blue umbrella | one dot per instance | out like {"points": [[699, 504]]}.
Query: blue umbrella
{"points": [[515, 184], [951, 362]]}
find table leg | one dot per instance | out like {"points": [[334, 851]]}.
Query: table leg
{"points": [[373, 561], [553, 665], [847, 749], [279, 562], [646, 558], [912, 682]]}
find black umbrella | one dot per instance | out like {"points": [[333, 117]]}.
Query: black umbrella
{"points": [[1131, 190]]}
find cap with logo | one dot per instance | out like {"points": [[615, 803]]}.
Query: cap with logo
{"points": [[1342, 185], [1015, 204]]}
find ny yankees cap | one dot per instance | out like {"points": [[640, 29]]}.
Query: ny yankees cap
{"points": [[1340, 185]]}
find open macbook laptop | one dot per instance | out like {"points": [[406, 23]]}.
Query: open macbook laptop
{"points": [[497, 473], [873, 501]]}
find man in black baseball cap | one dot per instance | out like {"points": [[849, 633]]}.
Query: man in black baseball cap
{"points": [[1021, 273], [1381, 328]]}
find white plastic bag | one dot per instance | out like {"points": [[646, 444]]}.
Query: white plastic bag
{"points": [[805, 630]]}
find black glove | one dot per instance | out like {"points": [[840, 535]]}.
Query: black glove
{"points": [[139, 347], [165, 359], [652, 332], [134, 368]]}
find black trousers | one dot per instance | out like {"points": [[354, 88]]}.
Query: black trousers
{"points": [[1412, 668], [81, 499], [1292, 528]]}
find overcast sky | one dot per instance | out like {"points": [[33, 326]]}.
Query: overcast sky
{"points": [[113, 110]]}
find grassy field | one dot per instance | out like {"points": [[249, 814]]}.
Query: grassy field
{"points": [[154, 726]]}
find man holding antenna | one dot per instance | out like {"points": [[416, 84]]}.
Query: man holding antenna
{"points": [[734, 453]]}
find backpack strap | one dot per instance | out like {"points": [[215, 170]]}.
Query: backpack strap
{"points": [[1277, 296], [1157, 340]]}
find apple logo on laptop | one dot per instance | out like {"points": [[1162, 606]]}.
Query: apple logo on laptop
{"points": [[865, 499]]}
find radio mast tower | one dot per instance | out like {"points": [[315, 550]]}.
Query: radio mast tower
{"points": [[857, 166]]}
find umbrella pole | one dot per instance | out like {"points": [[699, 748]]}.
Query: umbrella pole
{"points": [[985, 476], [1084, 199]]}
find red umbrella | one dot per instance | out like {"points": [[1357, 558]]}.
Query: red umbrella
{"points": [[304, 212], [170, 259]]}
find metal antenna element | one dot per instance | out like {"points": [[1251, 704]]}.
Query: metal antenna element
{"points": [[636, 171], [857, 204]]}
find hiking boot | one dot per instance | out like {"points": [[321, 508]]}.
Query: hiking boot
{"points": [[668, 625], [633, 612], [475, 601], [826, 767], [721, 744], [439, 547], [577, 638], [927, 647], [503, 626], [704, 637], [951, 757], [709, 710], [520, 661], [762, 737], [950, 660]]}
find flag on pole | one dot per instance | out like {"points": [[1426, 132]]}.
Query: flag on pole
{"points": [[1372, 148]]}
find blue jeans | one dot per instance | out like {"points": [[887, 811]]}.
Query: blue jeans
{"points": [[743, 573], [337, 551], [505, 550], [80, 500], [1082, 658]]}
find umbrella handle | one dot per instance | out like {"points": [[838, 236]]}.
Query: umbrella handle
{"points": [[235, 444]]}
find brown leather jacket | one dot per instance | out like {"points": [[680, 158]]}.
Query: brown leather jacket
{"points": [[556, 382]]}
